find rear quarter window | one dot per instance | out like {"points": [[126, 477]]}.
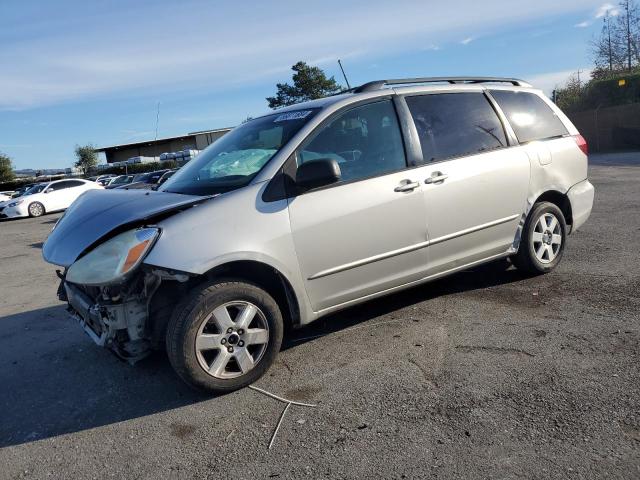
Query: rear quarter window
{"points": [[529, 115]]}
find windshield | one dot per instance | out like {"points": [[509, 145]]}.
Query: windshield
{"points": [[122, 179], [35, 189], [154, 177], [235, 159]]}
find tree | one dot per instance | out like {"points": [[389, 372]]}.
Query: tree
{"points": [[605, 51], [87, 158], [6, 168], [617, 49], [628, 27], [569, 97], [308, 83]]}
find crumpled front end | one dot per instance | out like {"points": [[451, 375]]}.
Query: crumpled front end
{"points": [[118, 316], [101, 242], [114, 317]]}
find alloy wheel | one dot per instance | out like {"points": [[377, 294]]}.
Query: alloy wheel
{"points": [[547, 238], [232, 339], [35, 209]]}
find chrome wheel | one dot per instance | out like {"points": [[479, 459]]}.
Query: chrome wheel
{"points": [[36, 209], [547, 238], [232, 339]]}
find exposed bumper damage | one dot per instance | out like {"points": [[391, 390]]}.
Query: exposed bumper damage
{"points": [[118, 317]]}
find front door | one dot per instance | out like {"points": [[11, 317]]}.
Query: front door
{"points": [[57, 194], [366, 233], [475, 187]]}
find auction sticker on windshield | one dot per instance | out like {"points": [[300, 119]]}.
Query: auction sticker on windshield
{"points": [[292, 116]]}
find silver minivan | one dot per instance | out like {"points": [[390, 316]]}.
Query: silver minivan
{"points": [[316, 207]]}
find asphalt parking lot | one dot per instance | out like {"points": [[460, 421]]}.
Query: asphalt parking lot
{"points": [[486, 374]]}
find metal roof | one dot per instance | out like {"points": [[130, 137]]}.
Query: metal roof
{"points": [[160, 140]]}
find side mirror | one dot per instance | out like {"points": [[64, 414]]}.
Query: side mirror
{"points": [[48, 190], [318, 173]]}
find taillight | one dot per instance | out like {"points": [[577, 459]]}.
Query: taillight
{"points": [[582, 143]]}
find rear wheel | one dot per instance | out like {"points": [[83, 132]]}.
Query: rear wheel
{"points": [[224, 336], [36, 209], [543, 239]]}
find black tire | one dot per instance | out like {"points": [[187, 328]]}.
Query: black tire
{"points": [[526, 258], [36, 209], [190, 314]]}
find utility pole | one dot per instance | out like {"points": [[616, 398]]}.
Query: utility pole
{"points": [[626, 7], [157, 120], [607, 23], [579, 84], [344, 75]]}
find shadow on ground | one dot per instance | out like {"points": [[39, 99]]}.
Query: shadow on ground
{"points": [[496, 273], [55, 381]]}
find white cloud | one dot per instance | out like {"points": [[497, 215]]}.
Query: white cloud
{"points": [[467, 41], [584, 24], [129, 51], [612, 10]]}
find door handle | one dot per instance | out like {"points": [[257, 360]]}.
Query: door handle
{"points": [[406, 186], [436, 177]]}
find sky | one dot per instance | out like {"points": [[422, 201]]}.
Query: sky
{"points": [[76, 71]]}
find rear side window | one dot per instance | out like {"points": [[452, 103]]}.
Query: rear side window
{"points": [[455, 124], [60, 185], [75, 183], [529, 115]]}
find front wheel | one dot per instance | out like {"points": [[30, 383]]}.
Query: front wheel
{"points": [[36, 209], [543, 239], [224, 336]]}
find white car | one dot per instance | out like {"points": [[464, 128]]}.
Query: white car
{"points": [[47, 197], [4, 198]]}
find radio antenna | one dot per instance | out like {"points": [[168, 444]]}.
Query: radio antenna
{"points": [[344, 75]]}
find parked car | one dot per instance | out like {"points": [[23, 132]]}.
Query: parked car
{"points": [[22, 189], [18, 193], [5, 196], [166, 176], [46, 198], [119, 181], [106, 176], [146, 181], [319, 206], [33, 188], [106, 180]]}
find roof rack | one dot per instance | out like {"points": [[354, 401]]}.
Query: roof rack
{"points": [[378, 84]]}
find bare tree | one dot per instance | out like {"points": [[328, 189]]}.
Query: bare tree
{"points": [[602, 48], [627, 32], [617, 48]]}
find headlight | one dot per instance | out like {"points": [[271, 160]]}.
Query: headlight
{"points": [[16, 203], [110, 261]]}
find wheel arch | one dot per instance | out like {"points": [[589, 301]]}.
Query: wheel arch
{"points": [[561, 200], [265, 276]]}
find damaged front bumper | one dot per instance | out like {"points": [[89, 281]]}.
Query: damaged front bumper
{"points": [[119, 326]]}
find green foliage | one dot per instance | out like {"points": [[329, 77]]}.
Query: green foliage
{"points": [[309, 83], [86, 158], [14, 185], [598, 93], [6, 168]]}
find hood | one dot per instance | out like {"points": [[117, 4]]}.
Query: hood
{"points": [[96, 213]]}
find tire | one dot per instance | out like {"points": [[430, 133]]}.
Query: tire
{"points": [[201, 338], [543, 239], [36, 209]]}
